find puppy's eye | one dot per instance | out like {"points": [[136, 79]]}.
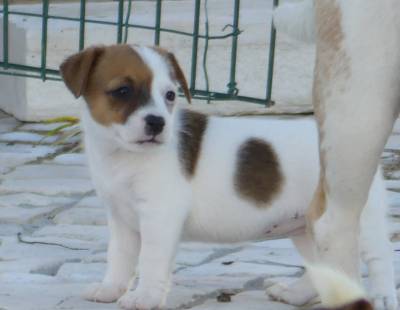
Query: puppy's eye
{"points": [[170, 95], [122, 93]]}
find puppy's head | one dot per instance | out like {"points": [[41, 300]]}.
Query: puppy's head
{"points": [[130, 91]]}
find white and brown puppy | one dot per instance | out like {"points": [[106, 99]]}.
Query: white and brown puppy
{"points": [[168, 175]]}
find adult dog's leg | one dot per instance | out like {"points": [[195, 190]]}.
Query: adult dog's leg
{"points": [[301, 291], [376, 249], [356, 98]]}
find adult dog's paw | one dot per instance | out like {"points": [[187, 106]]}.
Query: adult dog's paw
{"points": [[141, 299], [104, 292]]}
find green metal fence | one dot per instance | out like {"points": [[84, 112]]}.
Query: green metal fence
{"points": [[123, 25]]}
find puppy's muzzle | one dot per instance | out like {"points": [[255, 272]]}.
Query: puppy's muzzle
{"points": [[154, 124]]}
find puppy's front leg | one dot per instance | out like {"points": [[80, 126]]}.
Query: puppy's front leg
{"points": [[122, 255], [160, 234]]}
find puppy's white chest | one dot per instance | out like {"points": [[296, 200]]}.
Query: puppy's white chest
{"points": [[118, 186]]}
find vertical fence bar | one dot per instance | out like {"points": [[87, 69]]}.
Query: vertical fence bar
{"points": [[232, 79], [82, 25], [205, 53], [45, 13], [271, 60], [158, 23], [127, 18], [195, 45], [120, 20], [5, 34]]}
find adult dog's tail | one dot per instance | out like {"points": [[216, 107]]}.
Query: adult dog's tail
{"points": [[337, 291], [296, 19]]}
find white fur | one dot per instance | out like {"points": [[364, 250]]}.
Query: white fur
{"points": [[359, 107], [296, 20], [152, 205], [334, 287]]}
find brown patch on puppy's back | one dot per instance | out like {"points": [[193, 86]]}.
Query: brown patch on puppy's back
{"points": [[192, 128], [258, 176]]}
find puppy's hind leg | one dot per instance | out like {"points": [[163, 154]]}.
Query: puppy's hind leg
{"points": [[301, 291], [376, 250], [122, 256]]}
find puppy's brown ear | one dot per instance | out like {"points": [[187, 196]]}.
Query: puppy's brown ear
{"points": [[176, 70], [76, 69], [179, 76]]}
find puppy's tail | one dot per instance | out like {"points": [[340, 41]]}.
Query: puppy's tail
{"points": [[296, 19], [337, 290]]}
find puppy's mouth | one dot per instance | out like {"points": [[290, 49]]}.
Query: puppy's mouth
{"points": [[152, 140]]}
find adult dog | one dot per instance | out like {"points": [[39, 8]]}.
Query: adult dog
{"points": [[356, 96]]}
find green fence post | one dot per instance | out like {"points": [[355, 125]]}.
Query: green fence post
{"points": [[158, 23], [45, 13], [195, 45], [271, 60], [82, 25], [205, 53], [127, 18], [5, 34], [232, 90], [120, 21]]}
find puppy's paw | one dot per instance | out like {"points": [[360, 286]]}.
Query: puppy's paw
{"points": [[141, 299], [385, 302], [104, 292], [289, 295]]}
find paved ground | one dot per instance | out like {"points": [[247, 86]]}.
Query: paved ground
{"points": [[53, 235]]}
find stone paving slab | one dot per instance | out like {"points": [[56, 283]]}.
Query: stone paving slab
{"points": [[53, 235], [27, 137], [33, 200], [47, 186], [14, 155], [82, 216], [254, 300]]}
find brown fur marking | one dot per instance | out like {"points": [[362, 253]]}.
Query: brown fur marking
{"points": [[176, 71], [331, 62], [193, 126], [318, 204], [76, 69], [102, 70], [258, 176]]}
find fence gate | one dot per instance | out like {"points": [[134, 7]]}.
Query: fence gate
{"points": [[123, 25]]}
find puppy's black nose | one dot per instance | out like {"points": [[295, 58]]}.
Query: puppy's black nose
{"points": [[154, 124]]}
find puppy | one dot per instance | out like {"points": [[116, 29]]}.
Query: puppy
{"points": [[168, 174]]}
